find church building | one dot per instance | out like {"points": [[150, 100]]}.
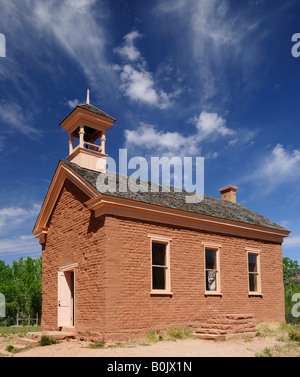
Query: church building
{"points": [[116, 264]]}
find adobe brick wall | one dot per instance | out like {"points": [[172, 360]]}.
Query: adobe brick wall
{"points": [[75, 236], [129, 267], [113, 276]]}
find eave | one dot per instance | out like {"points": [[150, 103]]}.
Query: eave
{"points": [[110, 205]]}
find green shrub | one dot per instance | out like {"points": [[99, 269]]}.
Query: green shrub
{"points": [[10, 348], [47, 340], [294, 335]]}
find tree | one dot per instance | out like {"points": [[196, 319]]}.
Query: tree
{"points": [[21, 284], [290, 271]]}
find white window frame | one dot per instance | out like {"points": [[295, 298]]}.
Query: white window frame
{"points": [[166, 241], [257, 253], [217, 249]]}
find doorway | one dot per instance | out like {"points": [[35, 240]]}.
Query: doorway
{"points": [[66, 299]]}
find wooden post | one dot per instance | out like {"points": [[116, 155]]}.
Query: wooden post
{"points": [[71, 140], [81, 135], [103, 139], [18, 319]]}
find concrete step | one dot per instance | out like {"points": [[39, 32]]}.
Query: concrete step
{"points": [[222, 337], [227, 324], [58, 335], [25, 343]]}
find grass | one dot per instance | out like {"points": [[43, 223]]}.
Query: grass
{"points": [[288, 335], [17, 330], [97, 345], [172, 333]]}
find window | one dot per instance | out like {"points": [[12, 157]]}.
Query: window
{"points": [[160, 265], [212, 269], [254, 284]]}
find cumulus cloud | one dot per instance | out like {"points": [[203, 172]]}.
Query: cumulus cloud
{"points": [[208, 126], [277, 167], [128, 50], [73, 103], [137, 82]]}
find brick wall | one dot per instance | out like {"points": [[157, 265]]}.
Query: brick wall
{"points": [[129, 245], [113, 276], [75, 236]]}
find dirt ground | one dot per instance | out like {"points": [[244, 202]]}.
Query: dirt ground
{"points": [[270, 344]]}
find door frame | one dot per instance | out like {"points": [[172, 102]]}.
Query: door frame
{"points": [[68, 268]]}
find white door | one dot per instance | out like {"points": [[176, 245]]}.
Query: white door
{"points": [[65, 298]]}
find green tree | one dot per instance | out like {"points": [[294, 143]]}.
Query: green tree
{"points": [[290, 271], [21, 284]]}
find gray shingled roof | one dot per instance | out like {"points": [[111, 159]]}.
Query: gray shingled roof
{"points": [[95, 110], [210, 206], [92, 109]]}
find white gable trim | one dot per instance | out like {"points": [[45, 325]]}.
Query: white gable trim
{"points": [[62, 173]]}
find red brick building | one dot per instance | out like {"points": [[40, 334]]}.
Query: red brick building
{"points": [[116, 264]]}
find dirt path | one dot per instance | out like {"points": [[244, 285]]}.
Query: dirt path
{"points": [[179, 348]]}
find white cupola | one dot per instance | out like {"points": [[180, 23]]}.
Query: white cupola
{"points": [[87, 126]]}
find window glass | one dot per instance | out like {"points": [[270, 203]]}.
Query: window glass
{"points": [[158, 278], [158, 254], [252, 262], [210, 259], [253, 282], [211, 269]]}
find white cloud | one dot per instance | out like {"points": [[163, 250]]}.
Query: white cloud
{"points": [[17, 119], [148, 137], [13, 217], [77, 27], [209, 126], [214, 36], [128, 50], [292, 242], [23, 245], [73, 24], [138, 85], [281, 165], [136, 81], [277, 167], [73, 103]]}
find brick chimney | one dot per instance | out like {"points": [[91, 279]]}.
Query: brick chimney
{"points": [[229, 193]]}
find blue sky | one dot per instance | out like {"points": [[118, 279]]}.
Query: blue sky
{"points": [[202, 78]]}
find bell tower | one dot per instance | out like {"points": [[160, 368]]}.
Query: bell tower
{"points": [[86, 126]]}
